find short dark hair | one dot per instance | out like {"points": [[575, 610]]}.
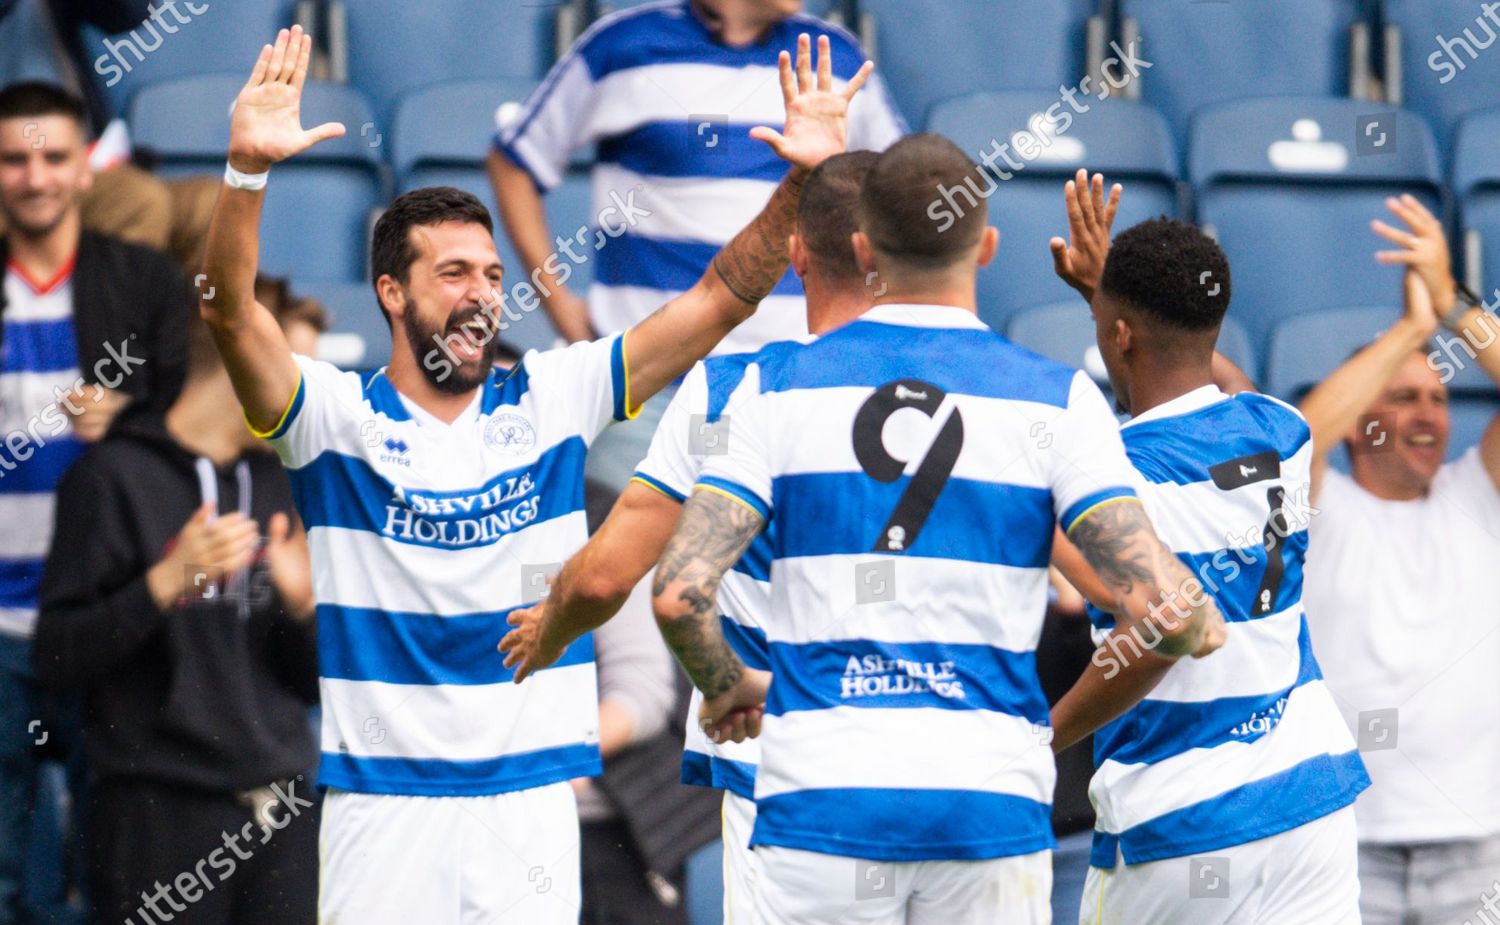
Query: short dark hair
{"points": [[908, 183], [33, 98], [391, 250], [1171, 272], [828, 212]]}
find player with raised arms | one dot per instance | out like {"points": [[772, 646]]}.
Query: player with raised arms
{"points": [[433, 490], [904, 725]]}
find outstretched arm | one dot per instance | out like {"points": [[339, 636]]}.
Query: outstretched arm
{"points": [[683, 331], [1160, 606], [266, 127], [594, 584], [712, 534]]}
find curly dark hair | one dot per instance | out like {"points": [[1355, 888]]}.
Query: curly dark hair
{"points": [[1171, 272]]}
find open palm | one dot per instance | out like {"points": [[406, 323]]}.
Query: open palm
{"points": [[266, 125], [817, 116]]}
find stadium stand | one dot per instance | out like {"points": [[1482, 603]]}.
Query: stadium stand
{"points": [[444, 40], [1205, 53], [25, 58], [1126, 141], [185, 123], [1288, 186], [1436, 59], [224, 34], [1476, 185], [998, 45], [1064, 331], [357, 337]]}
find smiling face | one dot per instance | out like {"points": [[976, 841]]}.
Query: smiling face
{"points": [[44, 172], [449, 305], [1400, 443]]}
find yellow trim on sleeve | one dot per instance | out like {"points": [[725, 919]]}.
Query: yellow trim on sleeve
{"points": [[656, 488], [281, 421], [732, 497], [1092, 508], [630, 413]]}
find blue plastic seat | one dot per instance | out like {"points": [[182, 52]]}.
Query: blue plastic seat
{"points": [[318, 205], [224, 38], [1208, 52], [931, 50], [1064, 331], [1128, 141], [26, 36], [396, 46], [1476, 183], [1289, 186], [358, 335], [1448, 65]]}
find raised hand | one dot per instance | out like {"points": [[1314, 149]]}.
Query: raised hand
{"points": [[817, 116], [1424, 250], [1079, 262], [266, 125]]}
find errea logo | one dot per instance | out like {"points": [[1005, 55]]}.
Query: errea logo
{"points": [[395, 452]]}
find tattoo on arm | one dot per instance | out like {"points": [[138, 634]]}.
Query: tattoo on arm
{"points": [[756, 259], [1112, 539], [711, 535]]}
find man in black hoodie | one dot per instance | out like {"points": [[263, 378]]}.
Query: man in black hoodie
{"points": [[194, 643]]}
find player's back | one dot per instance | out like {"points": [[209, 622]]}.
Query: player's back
{"points": [[1248, 742], [912, 465]]}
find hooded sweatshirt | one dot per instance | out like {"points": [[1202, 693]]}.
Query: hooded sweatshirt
{"points": [[213, 693]]}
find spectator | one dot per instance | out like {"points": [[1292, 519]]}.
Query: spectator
{"points": [[1401, 553], [90, 325], [689, 180], [195, 649]]}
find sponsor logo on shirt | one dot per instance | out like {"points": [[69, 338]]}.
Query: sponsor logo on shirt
{"points": [[1261, 721], [874, 676]]}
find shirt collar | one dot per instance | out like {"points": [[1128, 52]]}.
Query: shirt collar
{"points": [[1186, 403], [923, 316]]}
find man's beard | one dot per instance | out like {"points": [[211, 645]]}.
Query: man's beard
{"points": [[442, 370], [32, 231]]}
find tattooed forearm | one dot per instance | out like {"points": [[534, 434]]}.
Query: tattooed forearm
{"points": [[756, 259], [711, 535], [1157, 594]]}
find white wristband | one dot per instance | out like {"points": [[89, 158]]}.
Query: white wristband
{"points": [[246, 181]]}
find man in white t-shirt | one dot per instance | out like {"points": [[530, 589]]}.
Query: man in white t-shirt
{"points": [[1398, 595]]}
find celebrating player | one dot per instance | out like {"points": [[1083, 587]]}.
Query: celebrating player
{"points": [[911, 465], [1225, 796], [594, 584], [434, 491]]}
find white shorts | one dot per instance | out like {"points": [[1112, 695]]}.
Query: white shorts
{"points": [[805, 888], [739, 861], [1306, 876], [396, 860]]}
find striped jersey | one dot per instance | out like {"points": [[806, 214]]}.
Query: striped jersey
{"points": [[677, 175], [1247, 742], [424, 536], [911, 466], [38, 367], [694, 427]]}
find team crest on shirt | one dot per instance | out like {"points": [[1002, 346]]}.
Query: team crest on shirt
{"points": [[510, 433]]}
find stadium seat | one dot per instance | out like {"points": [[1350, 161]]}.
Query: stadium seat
{"points": [[26, 36], [1128, 141], [930, 50], [1289, 186], [1476, 184], [1470, 416], [318, 204], [225, 37], [1064, 331], [1439, 61], [396, 46], [358, 336], [605, 7], [1203, 53]]}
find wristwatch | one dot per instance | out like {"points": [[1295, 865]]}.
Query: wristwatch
{"points": [[1464, 300]]}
